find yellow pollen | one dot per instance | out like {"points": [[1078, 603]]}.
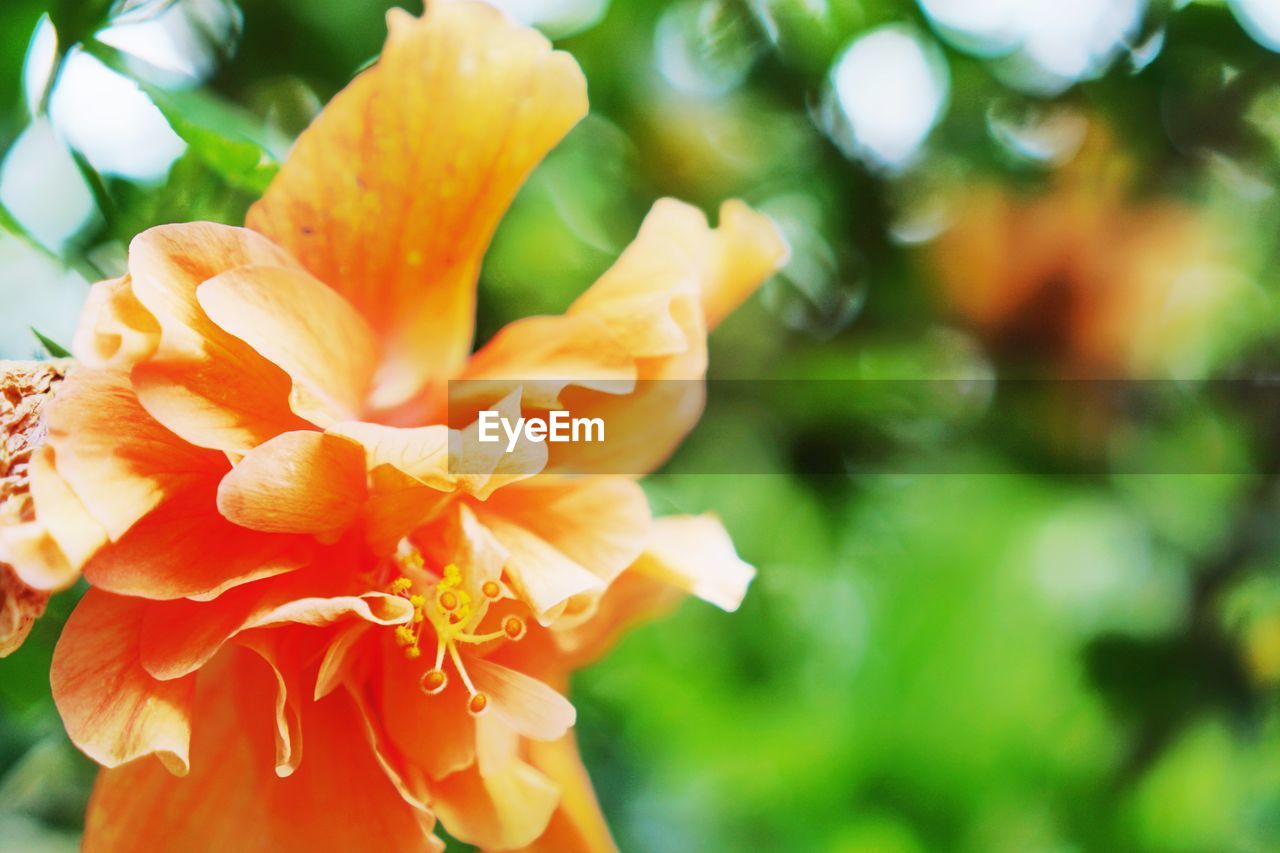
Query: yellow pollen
{"points": [[453, 618]]}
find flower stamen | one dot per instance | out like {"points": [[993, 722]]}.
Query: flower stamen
{"points": [[452, 617]]}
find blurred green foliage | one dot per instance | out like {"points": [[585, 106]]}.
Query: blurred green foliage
{"points": [[1002, 662]]}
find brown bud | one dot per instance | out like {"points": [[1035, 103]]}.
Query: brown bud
{"points": [[25, 387]]}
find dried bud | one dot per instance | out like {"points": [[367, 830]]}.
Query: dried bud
{"points": [[25, 387]]}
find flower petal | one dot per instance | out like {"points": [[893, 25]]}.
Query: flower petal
{"points": [[340, 797], [298, 482], [48, 551], [304, 328], [435, 733], [420, 452], [530, 707], [186, 548], [695, 553], [498, 812], [543, 576], [578, 823], [120, 462], [179, 637], [601, 523], [658, 301], [113, 709], [202, 382], [393, 193], [115, 329]]}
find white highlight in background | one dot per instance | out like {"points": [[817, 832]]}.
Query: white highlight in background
{"points": [[892, 88]]}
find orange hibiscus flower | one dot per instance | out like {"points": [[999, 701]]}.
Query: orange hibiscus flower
{"points": [[252, 471]]}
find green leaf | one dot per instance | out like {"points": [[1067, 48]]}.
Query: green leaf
{"points": [[229, 140], [55, 349], [219, 134]]}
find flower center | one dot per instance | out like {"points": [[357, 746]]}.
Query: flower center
{"points": [[453, 614]]}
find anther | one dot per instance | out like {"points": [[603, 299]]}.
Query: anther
{"points": [[404, 635], [400, 585], [478, 704], [434, 681], [413, 652], [513, 627]]}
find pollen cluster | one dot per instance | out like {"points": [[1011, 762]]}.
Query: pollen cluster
{"points": [[453, 613]]}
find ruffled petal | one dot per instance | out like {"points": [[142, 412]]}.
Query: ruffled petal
{"points": [[120, 462], [304, 328], [203, 383], [339, 798], [179, 637], [112, 708], [657, 302], [298, 482], [392, 195], [115, 329], [482, 467], [542, 575], [409, 482], [48, 550]]}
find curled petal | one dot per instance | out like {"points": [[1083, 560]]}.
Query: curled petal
{"points": [[305, 329], [115, 330], [203, 383], [543, 576], [48, 549], [179, 637], [113, 709], [658, 301]]}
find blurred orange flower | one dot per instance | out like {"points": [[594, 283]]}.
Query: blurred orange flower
{"points": [[251, 472], [1082, 278]]}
